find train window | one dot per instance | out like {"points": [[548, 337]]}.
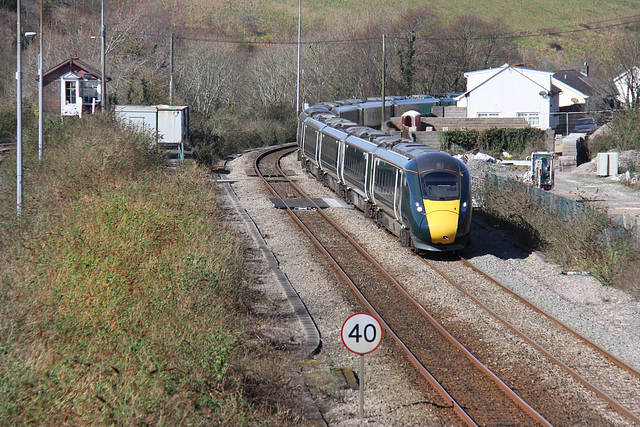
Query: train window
{"points": [[355, 164], [440, 186], [309, 141], [329, 151], [384, 181]]}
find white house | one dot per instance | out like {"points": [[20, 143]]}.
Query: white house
{"points": [[627, 86], [511, 91]]}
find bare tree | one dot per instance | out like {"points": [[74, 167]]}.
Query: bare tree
{"points": [[625, 66], [468, 44], [272, 75], [409, 32], [208, 75]]}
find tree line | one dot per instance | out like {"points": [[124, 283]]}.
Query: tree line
{"points": [[239, 73]]}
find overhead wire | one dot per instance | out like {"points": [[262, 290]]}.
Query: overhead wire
{"points": [[540, 32]]}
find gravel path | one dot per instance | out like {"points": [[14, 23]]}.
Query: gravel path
{"points": [[604, 315]]}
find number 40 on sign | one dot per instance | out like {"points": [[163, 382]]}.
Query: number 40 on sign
{"points": [[361, 333]]}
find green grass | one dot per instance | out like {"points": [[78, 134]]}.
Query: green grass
{"points": [[122, 293], [339, 19], [520, 15]]}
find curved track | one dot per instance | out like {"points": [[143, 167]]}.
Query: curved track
{"points": [[472, 390]]}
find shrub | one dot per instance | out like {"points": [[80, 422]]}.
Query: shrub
{"points": [[580, 238], [518, 142], [122, 292], [624, 135], [225, 133]]}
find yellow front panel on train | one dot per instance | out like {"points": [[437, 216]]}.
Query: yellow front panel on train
{"points": [[443, 219]]}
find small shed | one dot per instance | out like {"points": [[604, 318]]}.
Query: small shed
{"points": [[169, 124], [72, 88]]}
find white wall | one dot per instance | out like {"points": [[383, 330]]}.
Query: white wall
{"points": [[508, 91]]}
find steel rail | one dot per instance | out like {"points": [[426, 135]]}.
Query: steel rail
{"points": [[421, 368], [614, 403], [423, 371], [621, 364]]}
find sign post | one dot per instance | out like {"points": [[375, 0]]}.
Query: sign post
{"points": [[361, 333]]}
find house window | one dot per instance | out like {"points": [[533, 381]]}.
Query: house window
{"points": [[532, 118], [70, 90], [485, 115]]}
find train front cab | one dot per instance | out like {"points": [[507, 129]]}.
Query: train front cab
{"points": [[440, 203]]}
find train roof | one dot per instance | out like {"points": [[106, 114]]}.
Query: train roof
{"points": [[345, 107], [340, 123], [366, 132], [324, 117], [429, 99]]}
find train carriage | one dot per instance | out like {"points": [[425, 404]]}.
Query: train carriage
{"points": [[420, 194]]}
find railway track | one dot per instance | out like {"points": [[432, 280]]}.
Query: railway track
{"points": [[478, 395], [471, 390], [613, 381]]}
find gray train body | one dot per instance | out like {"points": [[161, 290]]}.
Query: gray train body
{"points": [[419, 194]]}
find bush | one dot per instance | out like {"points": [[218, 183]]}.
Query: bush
{"points": [[225, 133], [518, 142], [467, 140], [576, 238], [624, 134], [122, 292]]}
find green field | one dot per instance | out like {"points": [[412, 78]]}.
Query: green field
{"points": [[520, 15], [564, 31]]}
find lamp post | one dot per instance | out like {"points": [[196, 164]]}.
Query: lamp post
{"points": [[298, 73], [40, 90], [103, 35], [19, 115], [19, 190]]}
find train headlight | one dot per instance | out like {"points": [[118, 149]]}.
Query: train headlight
{"points": [[419, 207]]}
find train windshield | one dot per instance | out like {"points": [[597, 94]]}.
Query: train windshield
{"points": [[440, 186]]}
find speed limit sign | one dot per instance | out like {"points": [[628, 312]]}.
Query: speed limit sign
{"points": [[361, 333]]}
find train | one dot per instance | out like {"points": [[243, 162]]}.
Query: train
{"points": [[420, 194]]}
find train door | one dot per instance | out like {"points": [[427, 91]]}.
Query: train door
{"points": [[401, 182], [340, 163], [319, 150], [368, 178], [300, 133]]}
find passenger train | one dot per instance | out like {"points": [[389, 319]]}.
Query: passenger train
{"points": [[420, 194]]}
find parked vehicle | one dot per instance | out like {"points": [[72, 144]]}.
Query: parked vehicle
{"points": [[586, 125]]}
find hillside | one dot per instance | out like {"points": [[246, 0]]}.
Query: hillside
{"points": [[236, 62], [577, 20]]}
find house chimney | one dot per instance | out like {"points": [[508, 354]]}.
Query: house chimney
{"points": [[585, 70]]}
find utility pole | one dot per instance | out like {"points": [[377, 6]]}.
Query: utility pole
{"points": [[40, 89], [171, 69], [383, 80], [103, 80], [298, 79], [19, 191]]}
